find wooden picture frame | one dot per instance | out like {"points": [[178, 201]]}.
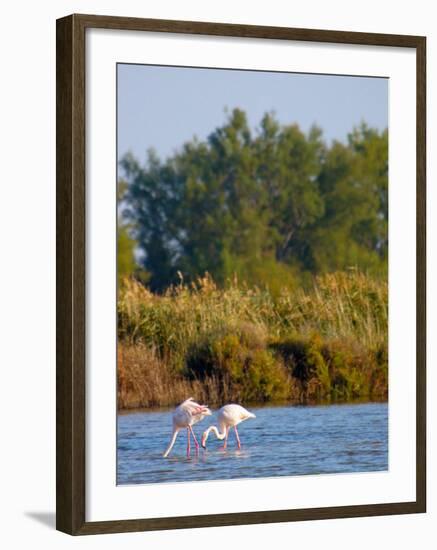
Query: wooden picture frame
{"points": [[71, 278]]}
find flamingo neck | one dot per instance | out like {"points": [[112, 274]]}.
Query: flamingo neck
{"points": [[214, 429]]}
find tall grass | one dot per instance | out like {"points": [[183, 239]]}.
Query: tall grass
{"points": [[241, 343]]}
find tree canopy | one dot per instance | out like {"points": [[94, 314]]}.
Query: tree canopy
{"points": [[270, 207]]}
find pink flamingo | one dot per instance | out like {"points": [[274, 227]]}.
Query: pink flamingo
{"points": [[186, 415], [228, 417]]}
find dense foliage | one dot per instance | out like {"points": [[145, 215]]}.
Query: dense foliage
{"points": [[270, 207], [244, 344]]}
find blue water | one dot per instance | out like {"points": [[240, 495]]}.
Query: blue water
{"points": [[280, 441]]}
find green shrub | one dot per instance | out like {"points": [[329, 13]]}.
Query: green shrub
{"points": [[333, 369], [251, 372]]}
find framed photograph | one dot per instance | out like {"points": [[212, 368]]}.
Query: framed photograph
{"points": [[240, 274]]}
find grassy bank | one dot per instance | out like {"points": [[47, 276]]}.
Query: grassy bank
{"points": [[243, 344]]}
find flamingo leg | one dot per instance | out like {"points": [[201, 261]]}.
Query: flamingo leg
{"points": [[225, 444], [196, 443], [188, 443], [172, 442], [238, 439]]}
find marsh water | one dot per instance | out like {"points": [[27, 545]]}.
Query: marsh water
{"points": [[280, 441]]}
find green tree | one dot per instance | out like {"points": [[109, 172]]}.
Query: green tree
{"points": [[126, 264], [354, 184], [269, 207], [125, 254]]}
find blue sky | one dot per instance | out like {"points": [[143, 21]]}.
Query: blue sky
{"points": [[163, 107]]}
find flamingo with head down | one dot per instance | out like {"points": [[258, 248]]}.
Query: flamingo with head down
{"points": [[186, 415], [228, 417]]}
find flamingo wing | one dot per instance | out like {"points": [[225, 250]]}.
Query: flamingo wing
{"points": [[233, 414], [189, 412]]}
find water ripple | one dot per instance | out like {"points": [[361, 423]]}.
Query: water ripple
{"points": [[281, 441]]}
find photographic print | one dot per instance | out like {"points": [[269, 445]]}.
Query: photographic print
{"points": [[241, 274], [252, 274]]}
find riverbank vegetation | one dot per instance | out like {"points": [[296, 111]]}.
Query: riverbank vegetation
{"points": [[245, 344]]}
